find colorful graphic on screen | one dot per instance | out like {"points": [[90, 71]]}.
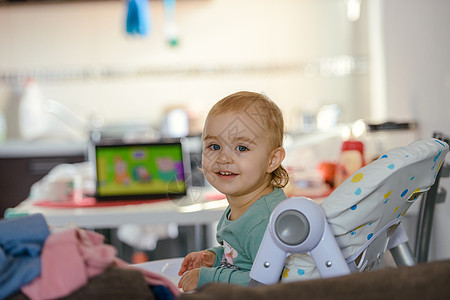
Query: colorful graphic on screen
{"points": [[150, 169]]}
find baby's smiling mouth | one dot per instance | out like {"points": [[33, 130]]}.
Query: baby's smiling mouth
{"points": [[225, 173]]}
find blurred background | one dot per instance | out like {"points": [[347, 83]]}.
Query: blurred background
{"points": [[378, 70], [375, 60]]}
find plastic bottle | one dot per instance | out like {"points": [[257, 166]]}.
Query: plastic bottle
{"points": [[32, 116], [351, 159], [2, 127]]}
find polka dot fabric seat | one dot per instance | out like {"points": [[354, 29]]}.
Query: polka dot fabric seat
{"points": [[367, 207]]}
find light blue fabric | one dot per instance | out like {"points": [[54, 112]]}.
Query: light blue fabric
{"points": [[138, 17], [21, 242]]}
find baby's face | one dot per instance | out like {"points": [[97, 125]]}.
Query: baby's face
{"points": [[236, 154]]}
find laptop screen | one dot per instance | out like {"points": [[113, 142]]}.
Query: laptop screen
{"points": [[140, 171]]}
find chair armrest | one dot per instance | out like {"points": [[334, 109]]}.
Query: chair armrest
{"points": [[297, 225]]}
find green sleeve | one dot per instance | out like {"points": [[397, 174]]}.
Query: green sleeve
{"points": [[223, 275], [218, 251]]}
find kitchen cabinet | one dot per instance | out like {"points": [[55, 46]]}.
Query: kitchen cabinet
{"points": [[24, 163]]}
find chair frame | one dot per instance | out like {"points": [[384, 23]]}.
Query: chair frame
{"points": [[279, 241], [426, 212]]}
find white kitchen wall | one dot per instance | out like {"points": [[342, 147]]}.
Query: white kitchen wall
{"points": [[225, 46], [417, 79], [418, 62]]}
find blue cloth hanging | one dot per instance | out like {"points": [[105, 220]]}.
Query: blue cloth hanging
{"points": [[21, 242], [138, 20]]}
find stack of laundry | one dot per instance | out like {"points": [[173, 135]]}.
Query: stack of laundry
{"points": [[40, 264]]}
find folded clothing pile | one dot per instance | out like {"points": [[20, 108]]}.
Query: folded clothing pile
{"points": [[21, 242], [44, 265]]}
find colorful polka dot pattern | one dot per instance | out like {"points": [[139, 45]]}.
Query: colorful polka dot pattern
{"points": [[298, 272], [386, 196], [358, 177], [374, 198], [404, 193]]}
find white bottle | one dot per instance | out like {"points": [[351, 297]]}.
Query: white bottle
{"points": [[32, 116], [2, 127]]}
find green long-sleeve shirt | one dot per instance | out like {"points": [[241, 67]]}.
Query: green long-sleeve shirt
{"points": [[239, 241]]}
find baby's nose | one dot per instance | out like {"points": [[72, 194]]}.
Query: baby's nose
{"points": [[224, 157]]}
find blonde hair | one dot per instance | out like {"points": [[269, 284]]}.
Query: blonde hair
{"points": [[265, 113]]}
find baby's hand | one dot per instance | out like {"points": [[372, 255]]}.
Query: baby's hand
{"points": [[189, 281], [196, 260]]}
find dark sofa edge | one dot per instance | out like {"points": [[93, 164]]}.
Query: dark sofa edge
{"points": [[423, 281]]}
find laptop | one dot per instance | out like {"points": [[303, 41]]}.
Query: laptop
{"points": [[140, 170]]}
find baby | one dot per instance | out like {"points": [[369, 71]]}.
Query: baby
{"points": [[242, 155]]}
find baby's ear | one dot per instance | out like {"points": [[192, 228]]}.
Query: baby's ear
{"points": [[277, 158]]}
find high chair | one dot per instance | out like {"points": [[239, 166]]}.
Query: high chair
{"points": [[352, 229]]}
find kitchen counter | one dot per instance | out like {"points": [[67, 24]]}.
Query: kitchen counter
{"points": [[21, 148]]}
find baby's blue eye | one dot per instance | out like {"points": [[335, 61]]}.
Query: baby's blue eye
{"points": [[214, 147], [241, 148]]}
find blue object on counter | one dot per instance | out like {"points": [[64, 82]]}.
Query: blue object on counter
{"points": [[21, 242], [138, 17]]}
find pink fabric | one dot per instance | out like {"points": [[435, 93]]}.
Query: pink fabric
{"points": [[70, 258]]}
